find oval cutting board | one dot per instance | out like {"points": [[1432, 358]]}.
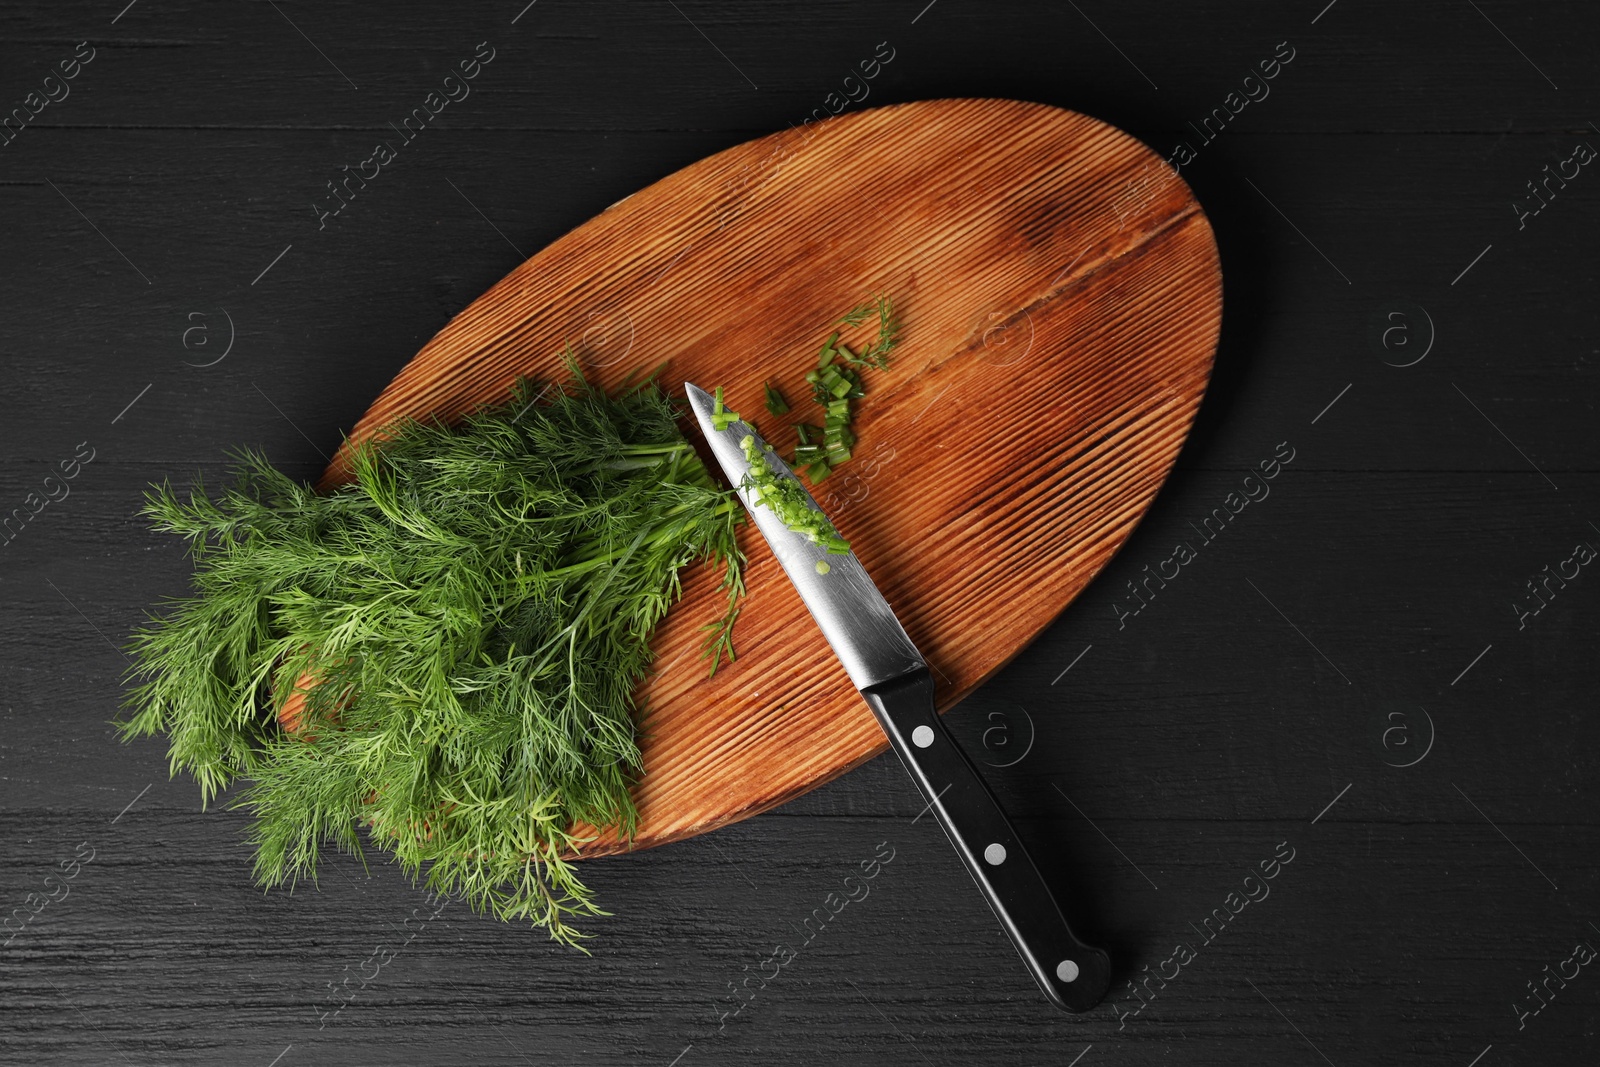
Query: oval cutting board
{"points": [[1061, 297]]}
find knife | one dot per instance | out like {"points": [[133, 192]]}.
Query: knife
{"points": [[894, 680]]}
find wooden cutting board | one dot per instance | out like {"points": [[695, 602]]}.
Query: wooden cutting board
{"points": [[1061, 297]]}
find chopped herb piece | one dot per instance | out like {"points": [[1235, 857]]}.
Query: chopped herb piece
{"points": [[877, 354], [776, 404], [826, 355], [835, 382], [807, 451], [784, 495], [856, 315], [721, 417], [787, 499]]}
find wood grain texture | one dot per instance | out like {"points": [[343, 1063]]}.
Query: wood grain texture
{"points": [[1058, 335]]}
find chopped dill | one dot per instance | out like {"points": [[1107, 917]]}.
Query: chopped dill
{"points": [[835, 384], [875, 355], [776, 404]]}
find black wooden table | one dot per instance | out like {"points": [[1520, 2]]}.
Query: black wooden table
{"points": [[1375, 683]]}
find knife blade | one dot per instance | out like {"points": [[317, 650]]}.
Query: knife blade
{"points": [[894, 680]]}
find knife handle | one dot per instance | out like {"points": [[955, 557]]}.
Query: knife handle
{"points": [[1075, 976]]}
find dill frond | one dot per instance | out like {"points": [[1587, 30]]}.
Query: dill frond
{"points": [[466, 624]]}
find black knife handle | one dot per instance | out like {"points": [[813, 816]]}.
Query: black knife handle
{"points": [[1075, 976]]}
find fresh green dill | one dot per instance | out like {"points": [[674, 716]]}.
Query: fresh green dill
{"points": [[835, 384], [721, 417], [776, 404], [778, 490], [785, 496], [465, 624], [808, 451], [876, 354]]}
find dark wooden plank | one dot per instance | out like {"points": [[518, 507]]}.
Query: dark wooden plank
{"points": [[629, 67], [217, 969]]}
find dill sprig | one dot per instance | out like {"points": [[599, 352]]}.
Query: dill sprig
{"points": [[465, 626], [876, 354], [835, 384]]}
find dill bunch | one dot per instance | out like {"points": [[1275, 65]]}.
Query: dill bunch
{"points": [[464, 625]]}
